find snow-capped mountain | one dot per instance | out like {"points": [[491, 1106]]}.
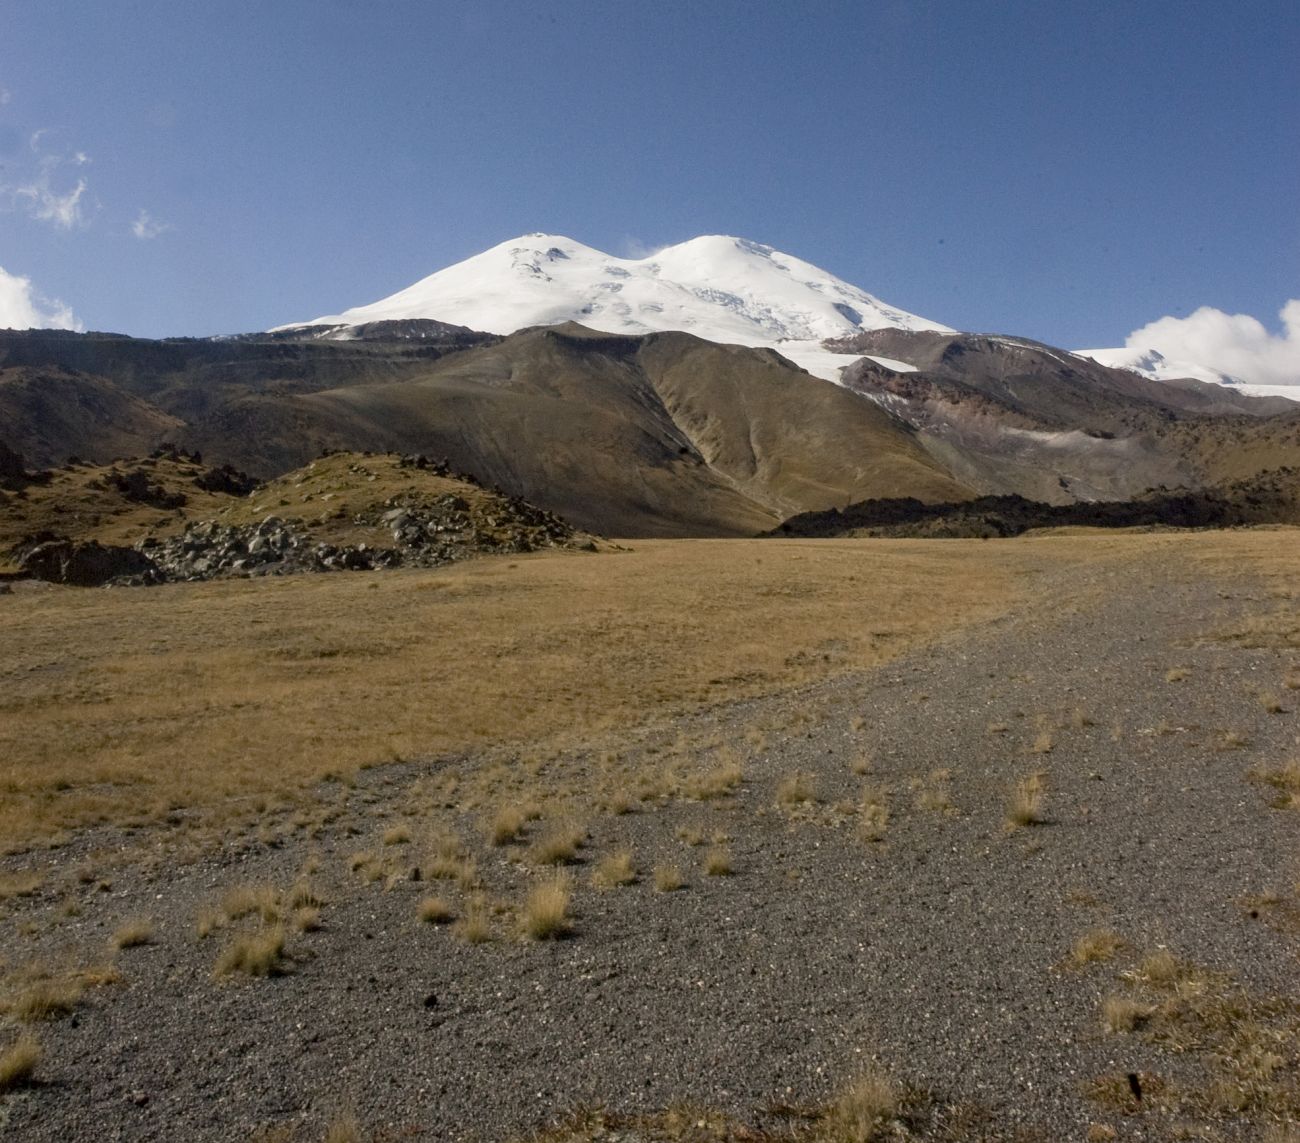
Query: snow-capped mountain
{"points": [[723, 289], [1155, 365]]}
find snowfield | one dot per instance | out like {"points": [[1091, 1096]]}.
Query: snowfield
{"points": [[1155, 365], [724, 289]]}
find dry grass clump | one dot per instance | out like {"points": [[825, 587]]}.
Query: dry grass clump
{"points": [[1271, 703], [864, 1112], [668, 878], [934, 793], [345, 1128], [435, 911], [718, 781], [861, 763], [246, 900], [1286, 780], [559, 845], [797, 789], [545, 913], [1176, 674], [614, 870], [717, 862], [1027, 797], [46, 998], [1120, 1013], [873, 815], [19, 1061], [1161, 969], [302, 894], [1098, 945], [397, 835], [254, 954], [306, 919], [507, 825], [449, 862], [137, 931], [19, 884], [1043, 743], [475, 925]]}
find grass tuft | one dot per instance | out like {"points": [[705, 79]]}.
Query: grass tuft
{"points": [[1027, 799], [797, 789], [1098, 945], [19, 1061], [546, 911], [435, 911], [558, 845], [475, 927], [614, 870], [254, 954], [864, 1111], [717, 862], [873, 817], [506, 826], [246, 900], [345, 1128], [1124, 1013], [137, 931], [668, 878], [49, 999], [306, 919], [1286, 780]]}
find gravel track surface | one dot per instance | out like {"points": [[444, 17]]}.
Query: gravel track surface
{"points": [[938, 951]]}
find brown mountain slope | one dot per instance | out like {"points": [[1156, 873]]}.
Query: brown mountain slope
{"points": [[658, 435], [50, 414], [661, 435]]}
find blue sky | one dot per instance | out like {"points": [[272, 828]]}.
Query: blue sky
{"points": [[1067, 171]]}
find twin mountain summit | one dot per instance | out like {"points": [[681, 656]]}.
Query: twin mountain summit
{"points": [[714, 388]]}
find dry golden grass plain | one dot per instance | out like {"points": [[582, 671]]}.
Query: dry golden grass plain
{"points": [[133, 704]]}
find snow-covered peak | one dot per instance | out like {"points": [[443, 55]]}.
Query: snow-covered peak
{"points": [[1153, 364], [718, 287]]}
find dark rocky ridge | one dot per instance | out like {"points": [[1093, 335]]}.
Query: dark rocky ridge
{"points": [[1271, 498], [1011, 416]]}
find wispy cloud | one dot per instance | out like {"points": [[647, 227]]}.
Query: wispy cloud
{"points": [[632, 247], [146, 226], [49, 192], [5, 96], [22, 307], [1237, 344]]}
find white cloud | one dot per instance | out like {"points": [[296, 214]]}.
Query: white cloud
{"points": [[46, 195], [146, 226], [21, 307], [5, 96], [1237, 344]]}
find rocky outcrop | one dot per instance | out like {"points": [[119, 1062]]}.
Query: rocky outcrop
{"points": [[425, 532], [89, 564]]}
